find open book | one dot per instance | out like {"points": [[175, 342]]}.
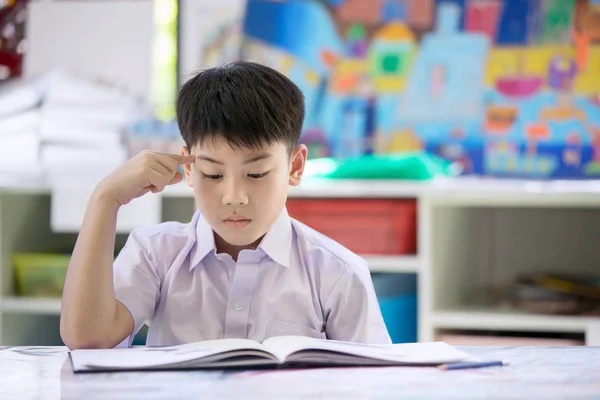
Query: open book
{"points": [[281, 351]]}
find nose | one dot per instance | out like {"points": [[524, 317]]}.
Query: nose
{"points": [[235, 194]]}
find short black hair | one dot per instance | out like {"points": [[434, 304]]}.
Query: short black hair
{"points": [[247, 104]]}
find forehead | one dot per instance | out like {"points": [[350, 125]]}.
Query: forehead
{"points": [[220, 148]]}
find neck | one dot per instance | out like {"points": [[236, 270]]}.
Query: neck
{"points": [[233, 250]]}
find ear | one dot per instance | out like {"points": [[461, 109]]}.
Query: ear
{"points": [[297, 162], [187, 168]]}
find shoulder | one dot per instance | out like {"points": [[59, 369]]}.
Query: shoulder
{"points": [[166, 231], [326, 252], [162, 243]]}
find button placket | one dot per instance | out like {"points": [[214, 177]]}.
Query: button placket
{"points": [[240, 297]]}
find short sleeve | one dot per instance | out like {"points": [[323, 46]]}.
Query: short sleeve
{"points": [[136, 281], [352, 310]]}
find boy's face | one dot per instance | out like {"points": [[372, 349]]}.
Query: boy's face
{"points": [[242, 191]]}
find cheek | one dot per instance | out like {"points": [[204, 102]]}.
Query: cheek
{"points": [[274, 188], [207, 200], [205, 192], [204, 189]]}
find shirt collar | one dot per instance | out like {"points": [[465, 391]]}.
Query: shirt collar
{"points": [[205, 240], [276, 244]]}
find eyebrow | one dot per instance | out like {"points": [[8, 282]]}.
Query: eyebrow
{"points": [[249, 161], [257, 158], [210, 160]]}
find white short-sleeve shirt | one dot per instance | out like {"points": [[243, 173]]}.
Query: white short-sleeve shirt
{"points": [[297, 282]]}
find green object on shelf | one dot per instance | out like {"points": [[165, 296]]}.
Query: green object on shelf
{"points": [[40, 274], [402, 166]]}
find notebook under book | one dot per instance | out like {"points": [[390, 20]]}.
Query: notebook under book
{"points": [[282, 351]]}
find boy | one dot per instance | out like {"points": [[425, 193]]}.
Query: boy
{"points": [[241, 268]]}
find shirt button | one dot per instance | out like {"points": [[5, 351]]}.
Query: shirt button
{"points": [[239, 306]]}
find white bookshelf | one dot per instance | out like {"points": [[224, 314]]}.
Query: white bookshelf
{"points": [[40, 306], [493, 319], [399, 264], [471, 233]]}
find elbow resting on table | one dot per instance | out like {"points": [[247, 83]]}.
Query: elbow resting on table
{"points": [[78, 338]]}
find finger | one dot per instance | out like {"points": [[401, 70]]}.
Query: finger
{"points": [[181, 159], [158, 180], [169, 163], [177, 178], [163, 170], [187, 159]]}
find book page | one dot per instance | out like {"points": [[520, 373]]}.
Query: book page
{"points": [[410, 353], [156, 357], [282, 346]]}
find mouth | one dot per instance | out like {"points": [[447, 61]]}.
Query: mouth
{"points": [[236, 221]]}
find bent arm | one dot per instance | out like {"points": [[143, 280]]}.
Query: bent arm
{"points": [[91, 317]]}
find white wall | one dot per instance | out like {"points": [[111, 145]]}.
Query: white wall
{"points": [[107, 40]]}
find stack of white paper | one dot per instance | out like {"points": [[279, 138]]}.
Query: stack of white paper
{"points": [[19, 134], [82, 125], [91, 69], [73, 160], [18, 96], [62, 87], [19, 141], [61, 123]]}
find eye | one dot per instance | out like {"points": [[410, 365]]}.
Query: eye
{"points": [[212, 177], [257, 176]]}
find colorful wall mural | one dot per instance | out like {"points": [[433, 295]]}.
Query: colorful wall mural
{"points": [[504, 87]]}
